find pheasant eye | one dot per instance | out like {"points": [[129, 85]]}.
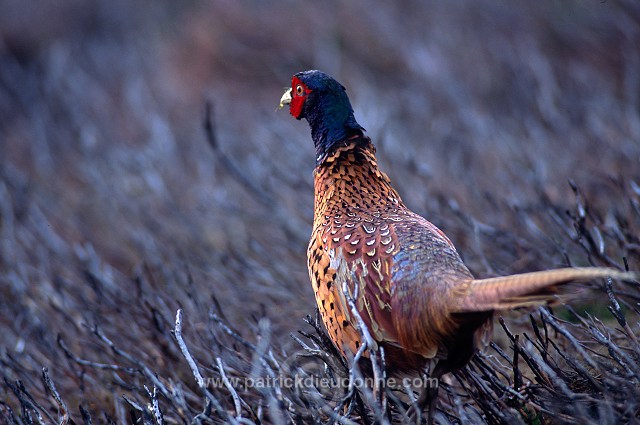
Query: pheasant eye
{"points": [[299, 90]]}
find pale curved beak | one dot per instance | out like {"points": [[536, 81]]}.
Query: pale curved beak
{"points": [[285, 99]]}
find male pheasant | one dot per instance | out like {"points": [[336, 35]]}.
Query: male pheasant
{"points": [[413, 292]]}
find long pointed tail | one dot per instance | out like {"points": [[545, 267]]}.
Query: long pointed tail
{"points": [[499, 293]]}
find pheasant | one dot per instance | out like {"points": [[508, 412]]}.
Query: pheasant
{"points": [[412, 290]]}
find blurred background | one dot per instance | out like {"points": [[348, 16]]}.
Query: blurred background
{"points": [[117, 207]]}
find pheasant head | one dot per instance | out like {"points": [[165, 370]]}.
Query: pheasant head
{"points": [[323, 102]]}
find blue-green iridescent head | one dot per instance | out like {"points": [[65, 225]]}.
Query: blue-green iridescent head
{"points": [[324, 103]]}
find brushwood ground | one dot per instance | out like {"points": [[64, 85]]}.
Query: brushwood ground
{"points": [[144, 171]]}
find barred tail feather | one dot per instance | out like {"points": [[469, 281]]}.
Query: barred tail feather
{"points": [[520, 290]]}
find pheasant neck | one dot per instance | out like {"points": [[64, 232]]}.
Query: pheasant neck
{"points": [[333, 127], [349, 180]]}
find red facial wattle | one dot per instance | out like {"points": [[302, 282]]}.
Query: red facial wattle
{"points": [[299, 92]]}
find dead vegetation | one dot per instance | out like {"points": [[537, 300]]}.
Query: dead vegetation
{"points": [[143, 171]]}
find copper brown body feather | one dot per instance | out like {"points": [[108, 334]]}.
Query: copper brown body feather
{"points": [[400, 267], [412, 289]]}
